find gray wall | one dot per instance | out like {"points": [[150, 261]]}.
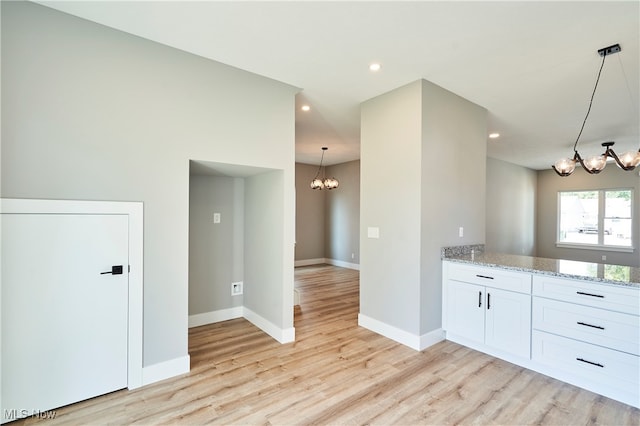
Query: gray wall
{"points": [[342, 236], [216, 251], [328, 222], [310, 215], [511, 208], [411, 191], [549, 183], [91, 113], [453, 180]]}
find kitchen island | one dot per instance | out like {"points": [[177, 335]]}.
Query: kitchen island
{"points": [[578, 322]]}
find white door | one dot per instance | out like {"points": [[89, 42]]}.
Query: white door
{"points": [[64, 323], [509, 321], [465, 310]]}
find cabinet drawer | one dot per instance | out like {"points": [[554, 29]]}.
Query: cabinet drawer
{"points": [[491, 277], [610, 369], [615, 298], [592, 325]]}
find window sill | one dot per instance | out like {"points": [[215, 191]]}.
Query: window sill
{"points": [[621, 249]]}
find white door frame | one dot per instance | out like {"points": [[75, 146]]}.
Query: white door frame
{"points": [[136, 216]]}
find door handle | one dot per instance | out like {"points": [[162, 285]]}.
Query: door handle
{"points": [[115, 270]]}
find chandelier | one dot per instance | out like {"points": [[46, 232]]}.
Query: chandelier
{"points": [[326, 183], [595, 164]]}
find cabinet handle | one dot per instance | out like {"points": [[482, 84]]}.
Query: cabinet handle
{"points": [[484, 276], [590, 362], [488, 301], [479, 299], [589, 294], [589, 325]]}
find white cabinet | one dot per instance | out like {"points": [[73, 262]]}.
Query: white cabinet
{"points": [[581, 332], [488, 309], [588, 334]]}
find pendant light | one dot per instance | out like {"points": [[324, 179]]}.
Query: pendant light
{"points": [[595, 164], [324, 183]]}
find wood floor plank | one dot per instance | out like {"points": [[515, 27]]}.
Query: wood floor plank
{"points": [[337, 373]]}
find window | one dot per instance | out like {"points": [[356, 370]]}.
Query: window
{"points": [[598, 218]]}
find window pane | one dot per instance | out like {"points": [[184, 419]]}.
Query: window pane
{"points": [[617, 222], [579, 217]]}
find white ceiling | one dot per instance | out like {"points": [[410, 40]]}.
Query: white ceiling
{"points": [[532, 65]]}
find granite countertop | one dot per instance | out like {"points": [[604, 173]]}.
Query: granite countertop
{"points": [[598, 272]]}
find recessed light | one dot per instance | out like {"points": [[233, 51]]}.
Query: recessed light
{"points": [[494, 135], [374, 67], [305, 107]]}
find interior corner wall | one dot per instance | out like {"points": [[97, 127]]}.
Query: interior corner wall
{"points": [[390, 180], [216, 256], [454, 131], [342, 235], [511, 208], [92, 113], [549, 183], [264, 274], [310, 215]]}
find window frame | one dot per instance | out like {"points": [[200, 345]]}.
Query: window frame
{"points": [[601, 219]]}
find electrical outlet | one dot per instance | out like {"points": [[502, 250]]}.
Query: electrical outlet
{"points": [[604, 257], [461, 232], [216, 218], [236, 288]]}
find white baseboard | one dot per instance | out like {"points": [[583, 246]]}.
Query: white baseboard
{"points": [[286, 335], [431, 338], [393, 333], [165, 370], [324, 260], [215, 316], [309, 262], [342, 264]]}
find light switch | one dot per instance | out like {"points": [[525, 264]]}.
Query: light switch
{"points": [[373, 232], [216, 218]]}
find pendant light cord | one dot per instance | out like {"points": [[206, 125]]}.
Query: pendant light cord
{"points": [[320, 166], [575, 145]]}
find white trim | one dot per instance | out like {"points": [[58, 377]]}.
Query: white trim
{"points": [[165, 370], [309, 262], [287, 335], [135, 210], [215, 316], [389, 331], [621, 249], [326, 261], [431, 338], [343, 264]]}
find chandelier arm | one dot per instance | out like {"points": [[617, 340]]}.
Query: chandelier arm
{"points": [[575, 145], [613, 155]]}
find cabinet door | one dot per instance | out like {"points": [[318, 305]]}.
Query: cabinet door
{"points": [[465, 310], [508, 322]]}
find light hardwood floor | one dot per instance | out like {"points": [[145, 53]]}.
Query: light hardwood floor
{"points": [[337, 373]]}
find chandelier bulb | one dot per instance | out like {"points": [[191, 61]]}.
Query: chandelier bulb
{"points": [[565, 166]]}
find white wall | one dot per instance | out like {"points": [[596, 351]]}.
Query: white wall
{"points": [[216, 250], [92, 113], [390, 180], [511, 208], [423, 153], [454, 151]]}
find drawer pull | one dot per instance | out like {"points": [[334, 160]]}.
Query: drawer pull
{"points": [[589, 325], [479, 299], [484, 276], [589, 294], [590, 362], [488, 300]]}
